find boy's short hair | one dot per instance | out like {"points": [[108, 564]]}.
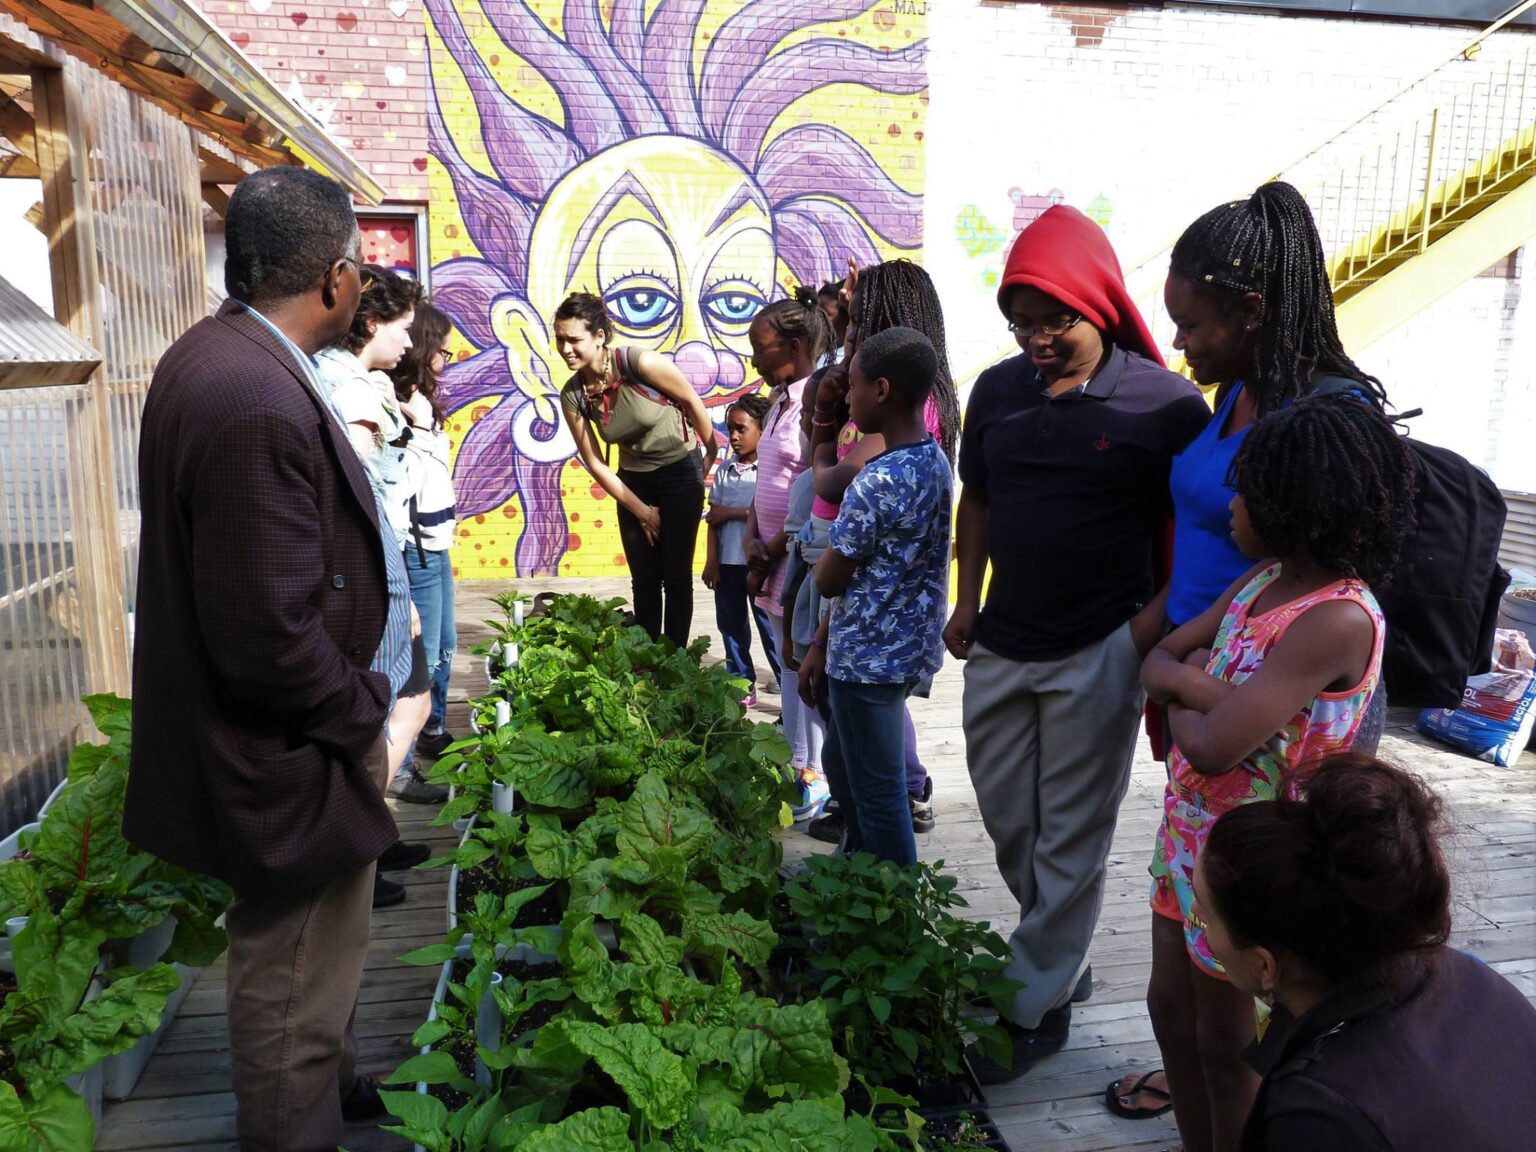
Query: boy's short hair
{"points": [[906, 358]]}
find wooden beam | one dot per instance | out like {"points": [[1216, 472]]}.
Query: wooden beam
{"points": [[62, 149], [217, 199], [18, 127], [14, 167], [215, 169], [34, 216], [19, 59], [177, 94]]}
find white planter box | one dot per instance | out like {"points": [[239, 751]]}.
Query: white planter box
{"points": [[121, 1072]]}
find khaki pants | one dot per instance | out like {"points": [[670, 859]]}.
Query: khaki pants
{"points": [[1049, 744], [295, 965]]}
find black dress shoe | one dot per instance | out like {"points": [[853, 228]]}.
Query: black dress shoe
{"points": [[386, 893], [1030, 1045], [362, 1101], [401, 855], [1084, 990]]}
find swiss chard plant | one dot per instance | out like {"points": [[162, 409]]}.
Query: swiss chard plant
{"points": [[86, 892]]}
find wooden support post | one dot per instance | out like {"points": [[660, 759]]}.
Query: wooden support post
{"points": [[63, 163]]}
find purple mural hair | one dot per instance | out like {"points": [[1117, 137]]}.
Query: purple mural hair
{"points": [[826, 197]]}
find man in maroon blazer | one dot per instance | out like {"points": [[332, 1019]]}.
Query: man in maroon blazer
{"points": [[258, 750]]}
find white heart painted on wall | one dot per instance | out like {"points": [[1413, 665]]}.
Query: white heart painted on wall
{"points": [[398, 8], [259, 6], [395, 74]]}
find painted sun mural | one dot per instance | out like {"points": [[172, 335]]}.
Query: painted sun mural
{"points": [[687, 161]]}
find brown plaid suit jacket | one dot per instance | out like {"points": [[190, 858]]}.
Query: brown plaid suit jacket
{"points": [[261, 601]]}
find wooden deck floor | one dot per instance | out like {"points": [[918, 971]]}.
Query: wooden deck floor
{"points": [[184, 1099]]}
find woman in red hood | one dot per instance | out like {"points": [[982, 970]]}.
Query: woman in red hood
{"points": [[1064, 460]]}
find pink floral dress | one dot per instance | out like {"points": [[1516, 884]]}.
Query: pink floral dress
{"points": [[1192, 801]]}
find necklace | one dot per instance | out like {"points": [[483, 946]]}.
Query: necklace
{"points": [[604, 376]]}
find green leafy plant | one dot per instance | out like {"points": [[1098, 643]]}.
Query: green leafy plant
{"points": [[650, 801], [86, 892], [897, 967]]}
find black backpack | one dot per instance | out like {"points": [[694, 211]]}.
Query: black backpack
{"points": [[1442, 603]]}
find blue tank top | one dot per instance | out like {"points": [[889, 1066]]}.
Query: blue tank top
{"points": [[1205, 560]]}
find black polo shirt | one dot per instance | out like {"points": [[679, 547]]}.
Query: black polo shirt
{"points": [[1077, 490]]}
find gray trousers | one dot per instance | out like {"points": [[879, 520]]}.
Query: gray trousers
{"points": [[1049, 744]]}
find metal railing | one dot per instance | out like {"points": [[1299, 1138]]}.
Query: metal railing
{"points": [[1404, 177]]}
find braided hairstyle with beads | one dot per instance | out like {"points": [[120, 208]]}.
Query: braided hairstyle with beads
{"points": [[755, 406], [1328, 477], [800, 317], [1269, 244], [900, 294]]}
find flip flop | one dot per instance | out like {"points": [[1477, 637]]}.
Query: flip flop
{"points": [[1113, 1097]]}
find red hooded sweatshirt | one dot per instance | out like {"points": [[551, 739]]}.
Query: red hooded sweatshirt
{"points": [[1067, 256]]}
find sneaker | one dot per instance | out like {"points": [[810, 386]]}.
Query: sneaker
{"points": [[922, 808], [432, 744], [410, 787], [828, 827], [770, 689], [386, 893], [749, 700], [814, 794], [401, 855]]}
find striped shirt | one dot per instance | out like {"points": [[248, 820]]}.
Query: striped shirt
{"points": [[393, 658], [781, 456]]}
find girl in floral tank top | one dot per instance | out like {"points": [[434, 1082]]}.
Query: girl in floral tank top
{"points": [[1260, 688]]}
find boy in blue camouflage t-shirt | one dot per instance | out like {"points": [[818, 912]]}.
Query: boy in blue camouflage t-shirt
{"points": [[888, 561]]}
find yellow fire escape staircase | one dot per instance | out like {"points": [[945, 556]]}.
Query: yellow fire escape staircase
{"points": [[1426, 205], [1452, 193]]}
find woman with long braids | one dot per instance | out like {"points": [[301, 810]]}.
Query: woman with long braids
{"points": [[640, 402], [896, 293], [788, 337]]}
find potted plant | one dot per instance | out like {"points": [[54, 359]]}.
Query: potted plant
{"points": [[899, 971]]}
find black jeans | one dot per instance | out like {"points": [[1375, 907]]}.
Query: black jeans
{"points": [[677, 492]]}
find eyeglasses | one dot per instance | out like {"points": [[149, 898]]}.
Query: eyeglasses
{"points": [[1046, 328], [365, 281]]}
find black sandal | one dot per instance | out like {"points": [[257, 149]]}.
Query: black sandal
{"points": [[1114, 1098]]}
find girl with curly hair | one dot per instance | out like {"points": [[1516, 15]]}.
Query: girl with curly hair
{"points": [[1259, 688]]}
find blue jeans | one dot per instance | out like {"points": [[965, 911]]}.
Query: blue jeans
{"points": [[732, 607], [865, 762], [432, 593]]}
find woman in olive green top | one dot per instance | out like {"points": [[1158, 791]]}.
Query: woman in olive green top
{"points": [[640, 402]]}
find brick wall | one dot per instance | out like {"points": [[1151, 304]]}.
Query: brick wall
{"points": [[360, 66]]}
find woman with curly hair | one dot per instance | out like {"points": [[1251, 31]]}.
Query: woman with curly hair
{"points": [[1259, 689], [1334, 912], [354, 374]]}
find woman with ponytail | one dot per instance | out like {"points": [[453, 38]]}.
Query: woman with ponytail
{"points": [[1334, 911]]}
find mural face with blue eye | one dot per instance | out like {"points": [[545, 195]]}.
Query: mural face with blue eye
{"points": [[676, 238]]}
